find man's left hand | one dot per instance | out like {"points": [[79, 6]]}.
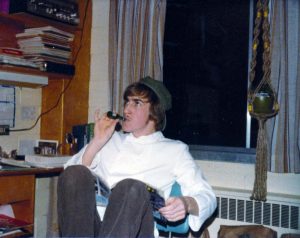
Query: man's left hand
{"points": [[174, 210]]}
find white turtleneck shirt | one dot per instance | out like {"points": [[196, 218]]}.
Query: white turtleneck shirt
{"points": [[156, 161]]}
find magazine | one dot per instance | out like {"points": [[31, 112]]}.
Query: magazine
{"points": [[157, 202], [103, 192], [8, 224]]}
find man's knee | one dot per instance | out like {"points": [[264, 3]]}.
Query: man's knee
{"points": [[132, 187], [75, 174]]}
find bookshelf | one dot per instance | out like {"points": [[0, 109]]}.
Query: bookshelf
{"points": [[72, 109], [10, 25]]}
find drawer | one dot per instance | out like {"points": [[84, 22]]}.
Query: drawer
{"points": [[16, 188]]}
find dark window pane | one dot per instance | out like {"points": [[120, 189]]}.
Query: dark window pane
{"points": [[206, 70]]}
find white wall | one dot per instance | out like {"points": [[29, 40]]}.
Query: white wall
{"points": [[99, 86], [27, 100], [236, 178], [241, 176]]}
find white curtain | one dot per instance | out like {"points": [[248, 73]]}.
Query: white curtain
{"points": [[283, 130], [136, 30]]}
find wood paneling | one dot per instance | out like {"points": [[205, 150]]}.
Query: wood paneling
{"points": [[73, 106], [19, 192]]}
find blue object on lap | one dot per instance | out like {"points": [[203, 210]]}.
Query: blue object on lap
{"points": [[180, 227]]}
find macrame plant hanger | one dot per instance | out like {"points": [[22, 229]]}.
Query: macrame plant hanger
{"points": [[262, 99]]}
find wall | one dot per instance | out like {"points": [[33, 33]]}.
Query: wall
{"points": [[99, 86], [27, 100], [237, 179], [241, 176]]}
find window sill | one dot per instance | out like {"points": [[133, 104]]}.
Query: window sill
{"points": [[224, 154]]}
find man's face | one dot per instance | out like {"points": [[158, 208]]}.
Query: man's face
{"points": [[136, 113]]}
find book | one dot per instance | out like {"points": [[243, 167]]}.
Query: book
{"points": [[34, 34], [11, 51], [36, 58], [156, 199], [17, 61], [29, 39], [90, 131], [42, 161], [46, 51], [50, 29], [103, 192], [24, 45], [8, 224]]}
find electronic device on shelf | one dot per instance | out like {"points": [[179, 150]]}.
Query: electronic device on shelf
{"points": [[65, 11]]}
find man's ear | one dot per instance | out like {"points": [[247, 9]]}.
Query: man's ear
{"points": [[152, 122]]}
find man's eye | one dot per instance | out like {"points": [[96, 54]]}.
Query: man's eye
{"points": [[138, 103]]}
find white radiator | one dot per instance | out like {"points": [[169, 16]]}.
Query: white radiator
{"points": [[279, 212]]}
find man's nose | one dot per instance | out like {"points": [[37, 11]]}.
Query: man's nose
{"points": [[127, 108]]}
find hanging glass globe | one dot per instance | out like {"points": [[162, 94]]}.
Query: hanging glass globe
{"points": [[263, 102]]}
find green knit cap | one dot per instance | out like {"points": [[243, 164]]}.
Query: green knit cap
{"points": [[160, 90]]}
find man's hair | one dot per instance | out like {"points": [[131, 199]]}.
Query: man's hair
{"points": [[157, 112]]}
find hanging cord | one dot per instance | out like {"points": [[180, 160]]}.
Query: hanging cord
{"points": [[67, 86], [256, 33], [262, 22], [261, 166], [259, 192]]}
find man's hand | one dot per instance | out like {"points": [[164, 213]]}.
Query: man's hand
{"points": [[103, 130], [177, 208], [104, 127], [174, 210]]}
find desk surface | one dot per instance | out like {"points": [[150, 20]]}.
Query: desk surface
{"points": [[7, 170]]}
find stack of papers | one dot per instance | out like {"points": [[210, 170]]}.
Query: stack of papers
{"points": [[13, 60], [46, 161], [38, 161], [9, 225]]}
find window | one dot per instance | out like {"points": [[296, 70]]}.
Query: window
{"points": [[206, 56]]}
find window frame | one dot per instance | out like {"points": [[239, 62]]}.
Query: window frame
{"points": [[245, 155]]}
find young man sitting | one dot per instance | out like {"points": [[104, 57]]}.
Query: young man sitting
{"points": [[127, 161]]}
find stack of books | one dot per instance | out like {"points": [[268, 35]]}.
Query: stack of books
{"points": [[48, 47], [14, 56]]}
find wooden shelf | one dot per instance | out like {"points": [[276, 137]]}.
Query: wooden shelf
{"points": [[36, 77], [32, 71], [28, 20], [22, 70]]}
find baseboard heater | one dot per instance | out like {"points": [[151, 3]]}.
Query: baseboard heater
{"points": [[265, 213]]}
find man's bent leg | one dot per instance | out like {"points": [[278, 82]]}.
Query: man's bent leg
{"points": [[76, 203], [129, 211]]}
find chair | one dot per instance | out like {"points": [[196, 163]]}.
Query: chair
{"points": [[257, 231], [179, 227]]}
